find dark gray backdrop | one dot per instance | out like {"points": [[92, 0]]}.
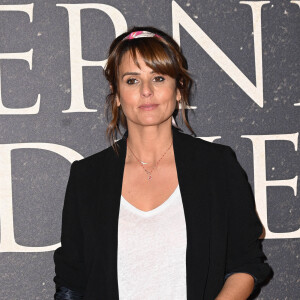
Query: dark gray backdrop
{"points": [[41, 135]]}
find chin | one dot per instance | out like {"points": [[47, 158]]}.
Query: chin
{"points": [[154, 122]]}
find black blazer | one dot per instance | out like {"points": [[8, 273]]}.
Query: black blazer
{"points": [[221, 221]]}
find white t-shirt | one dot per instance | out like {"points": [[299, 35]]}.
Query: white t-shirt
{"points": [[152, 251]]}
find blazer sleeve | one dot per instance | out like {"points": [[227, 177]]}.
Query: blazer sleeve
{"points": [[244, 253], [68, 259]]}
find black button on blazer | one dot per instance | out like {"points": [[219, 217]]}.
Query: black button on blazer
{"points": [[222, 225]]}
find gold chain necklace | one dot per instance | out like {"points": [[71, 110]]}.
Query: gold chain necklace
{"points": [[149, 173]]}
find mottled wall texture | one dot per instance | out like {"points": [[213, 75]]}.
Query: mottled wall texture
{"points": [[244, 57]]}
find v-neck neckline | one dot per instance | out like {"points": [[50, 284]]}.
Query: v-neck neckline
{"points": [[194, 182], [153, 211]]}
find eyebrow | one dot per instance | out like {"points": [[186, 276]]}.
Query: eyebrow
{"points": [[134, 73]]}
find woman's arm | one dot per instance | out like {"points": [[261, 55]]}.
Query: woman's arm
{"points": [[238, 286], [69, 264], [64, 293], [245, 257]]}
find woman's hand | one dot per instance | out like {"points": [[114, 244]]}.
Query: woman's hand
{"points": [[238, 286]]}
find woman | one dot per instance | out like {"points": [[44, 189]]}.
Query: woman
{"points": [[160, 214]]}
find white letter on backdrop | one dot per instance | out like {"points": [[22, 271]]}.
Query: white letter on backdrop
{"points": [[8, 243], [180, 17], [27, 56], [261, 183], [77, 62], [298, 3]]}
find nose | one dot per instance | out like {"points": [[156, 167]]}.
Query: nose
{"points": [[146, 89]]}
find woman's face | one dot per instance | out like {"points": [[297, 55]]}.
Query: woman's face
{"points": [[147, 98]]}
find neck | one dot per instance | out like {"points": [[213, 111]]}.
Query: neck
{"points": [[149, 142]]}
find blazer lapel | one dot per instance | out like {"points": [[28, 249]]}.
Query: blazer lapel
{"points": [[193, 185], [107, 216], [194, 188]]}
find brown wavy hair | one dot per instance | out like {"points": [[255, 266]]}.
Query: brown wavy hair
{"points": [[163, 55]]}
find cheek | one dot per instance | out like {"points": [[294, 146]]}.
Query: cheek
{"points": [[168, 95], [128, 99]]}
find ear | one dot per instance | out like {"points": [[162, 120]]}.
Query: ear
{"points": [[116, 97], [118, 100], [178, 95]]}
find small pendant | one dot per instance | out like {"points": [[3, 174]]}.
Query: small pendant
{"points": [[150, 177]]}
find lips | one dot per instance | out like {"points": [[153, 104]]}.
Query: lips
{"points": [[148, 106]]}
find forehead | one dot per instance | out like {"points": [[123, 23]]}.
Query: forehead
{"points": [[128, 63]]}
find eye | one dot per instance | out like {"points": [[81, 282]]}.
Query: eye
{"points": [[131, 81], [159, 78]]}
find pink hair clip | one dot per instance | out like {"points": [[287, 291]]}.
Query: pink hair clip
{"points": [[140, 34]]}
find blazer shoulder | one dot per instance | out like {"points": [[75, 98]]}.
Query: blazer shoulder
{"points": [[97, 159], [199, 144]]}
